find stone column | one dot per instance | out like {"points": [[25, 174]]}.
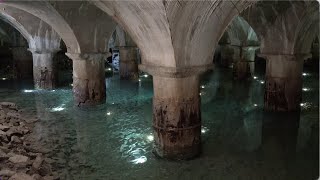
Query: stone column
{"points": [[243, 67], [23, 62], [283, 82], [89, 86], [227, 53], [176, 117], [128, 63], [44, 71], [176, 111]]}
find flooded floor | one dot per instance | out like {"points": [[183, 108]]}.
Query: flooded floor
{"points": [[114, 141]]}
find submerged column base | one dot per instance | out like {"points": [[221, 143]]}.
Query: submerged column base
{"points": [[128, 63], [241, 70], [177, 118], [89, 86], [283, 89], [44, 70], [282, 94]]}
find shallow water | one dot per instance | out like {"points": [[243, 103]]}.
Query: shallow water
{"points": [[114, 141]]}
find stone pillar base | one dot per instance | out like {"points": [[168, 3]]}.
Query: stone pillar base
{"points": [[241, 70], [44, 72], [128, 63], [282, 94], [283, 83], [177, 117], [89, 87]]}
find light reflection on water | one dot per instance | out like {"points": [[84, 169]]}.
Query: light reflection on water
{"points": [[114, 141]]}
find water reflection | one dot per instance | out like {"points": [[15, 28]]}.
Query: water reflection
{"points": [[114, 141]]}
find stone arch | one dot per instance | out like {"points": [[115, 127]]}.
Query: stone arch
{"points": [[91, 26], [149, 30], [45, 12], [160, 31], [121, 37], [308, 29], [18, 26], [284, 21], [239, 33]]}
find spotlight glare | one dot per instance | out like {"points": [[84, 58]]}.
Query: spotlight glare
{"points": [[145, 75], [262, 82], [28, 91], [150, 137], [202, 87], [4, 79], [140, 160], [204, 130], [255, 77], [255, 105], [57, 109], [108, 113], [305, 89]]}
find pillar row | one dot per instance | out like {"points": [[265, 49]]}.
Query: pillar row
{"points": [[176, 111], [128, 63], [89, 87], [44, 71], [283, 82], [243, 66]]}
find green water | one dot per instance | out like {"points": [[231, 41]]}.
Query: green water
{"points": [[114, 141]]}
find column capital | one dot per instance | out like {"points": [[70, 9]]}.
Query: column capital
{"points": [[43, 51], [175, 72], [87, 56]]}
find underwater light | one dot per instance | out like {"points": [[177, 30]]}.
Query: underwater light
{"points": [[304, 74], [302, 104], [255, 105], [28, 91], [140, 160], [57, 109], [112, 103], [200, 94], [4, 79], [305, 89], [262, 82], [150, 137], [255, 77], [71, 84], [109, 69], [204, 130], [108, 113], [202, 87], [139, 80], [145, 75]]}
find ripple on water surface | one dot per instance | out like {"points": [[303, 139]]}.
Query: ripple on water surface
{"points": [[115, 141]]}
